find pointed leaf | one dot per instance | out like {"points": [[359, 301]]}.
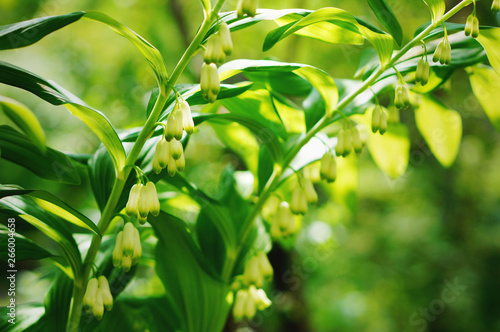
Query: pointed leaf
{"points": [[382, 41], [440, 127], [25, 248], [25, 33], [490, 39], [485, 83], [25, 120], [391, 151], [54, 94], [52, 204], [386, 16], [328, 24], [53, 165]]}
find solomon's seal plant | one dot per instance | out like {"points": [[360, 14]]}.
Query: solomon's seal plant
{"points": [[213, 264]]}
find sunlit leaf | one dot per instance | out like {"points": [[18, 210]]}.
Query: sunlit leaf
{"points": [[25, 120], [386, 16], [437, 8], [53, 165], [207, 6], [490, 39], [54, 94], [485, 83], [440, 127], [328, 24], [382, 41], [26, 316], [52, 204], [391, 151]]}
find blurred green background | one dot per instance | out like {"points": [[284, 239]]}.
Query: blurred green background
{"points": [[419, 253]]}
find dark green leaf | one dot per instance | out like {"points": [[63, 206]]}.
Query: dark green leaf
{"points": [[25, 248], [386, 16], [25, 33], [57, 303]]}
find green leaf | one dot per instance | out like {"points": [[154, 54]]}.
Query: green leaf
{"points": [[25, 120], [26, 316], [207, 6], [25, 33], [440, 127], [152, 55], [53, 165], [54, 94], [382, 41], [56, 229], [391, 151], [102, 176], [332, 25], [386, 16], [316, 77], [490, 39], [25, 248], [485, 83], [57, 303], [54, 205], [240, 140], [437, 8], [198, 299]]}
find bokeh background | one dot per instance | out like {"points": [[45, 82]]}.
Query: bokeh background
{"points": [[419, 253]]}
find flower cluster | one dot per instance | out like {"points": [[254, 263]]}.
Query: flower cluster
{"points": [[98, 296], [422, 73], [248, 301], [283, 223], [143, 200], [128, 250], [347, 139], [443, 52], [218, 46], [257, 269], [328, 168], [472, 26], [402, 97]]}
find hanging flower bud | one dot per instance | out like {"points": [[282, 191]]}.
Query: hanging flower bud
{"points": [[174, 125], [248, 7], [402, 97], [347, 142], [152, 198], [107, 298], [163, 152], [383, 121], [275, 229], [180, 163], [356, 140], [240, 304], [126, 263], [98, 307], [475, 27], [252, 273], [187, 118], [90, 294], [137, 247], [225, 37], [469, 24], [447, 53], [439, 52], [128, 239], [298, 204], [264, 265], [172, 166], [250, 309], [156, 163], [376, 112], [118, 250], [328, 169], [495, 6], [422, 73], [143, 206], [339, 148], [176, 149], [209, 83], [133, 200], [260, 298], [285, 219], [311, 195]]}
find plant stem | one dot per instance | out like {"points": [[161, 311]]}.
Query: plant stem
{"points": [[108, 212], [274, 180]]}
